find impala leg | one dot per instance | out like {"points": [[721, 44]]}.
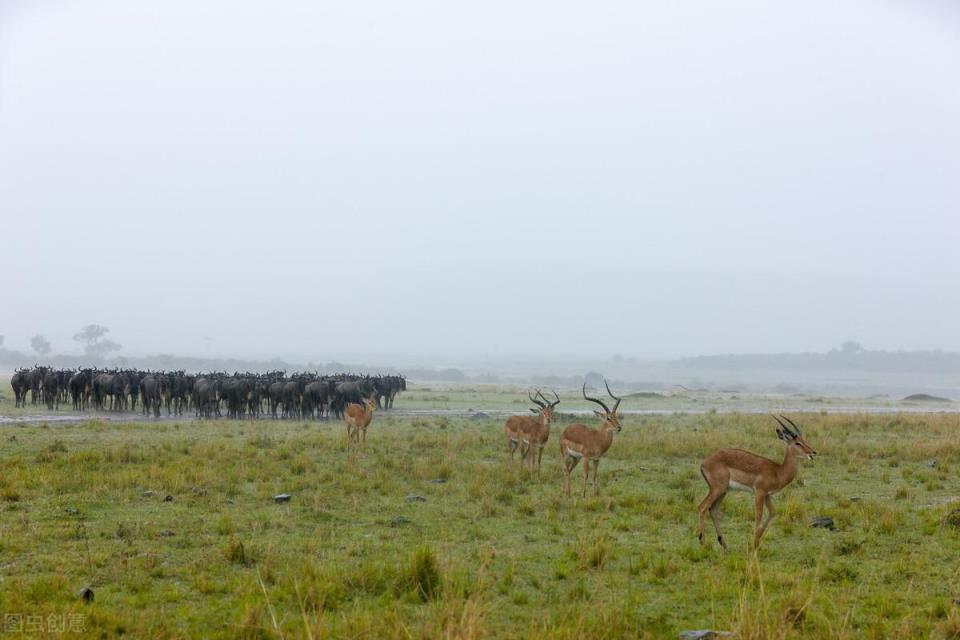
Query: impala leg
{"points": [[596, 469], [586, 474], [712, 504], [569, 462], [758, 517], [768, 501], [539, 459], [511, 446]]}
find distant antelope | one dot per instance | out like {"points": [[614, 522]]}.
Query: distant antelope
{"points": [[739, 470], [517, 427], [358, 418], [535, 433], [580, 441]]}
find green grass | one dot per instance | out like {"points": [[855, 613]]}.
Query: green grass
{"points": [[491, 553]]}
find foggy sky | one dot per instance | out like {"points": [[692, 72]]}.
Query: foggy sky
{"points": [[378, 179]]}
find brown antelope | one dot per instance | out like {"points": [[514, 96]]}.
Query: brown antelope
{"points": [[580, 441], [535, 433], [358, 418], [517, 426], [739, 470]]}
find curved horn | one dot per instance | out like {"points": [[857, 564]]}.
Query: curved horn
{"points": [[785, 427], [599, 402], [535, 401], [612, 396], [795, 427]]}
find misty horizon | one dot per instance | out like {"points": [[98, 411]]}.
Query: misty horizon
{"points": [[431, 183]]}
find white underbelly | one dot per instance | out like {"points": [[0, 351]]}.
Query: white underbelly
{"points": [[733, 485]]}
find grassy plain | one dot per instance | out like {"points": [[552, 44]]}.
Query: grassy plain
{"points": [[490, 552]]}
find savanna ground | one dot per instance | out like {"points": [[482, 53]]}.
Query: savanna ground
{"points": [[491, 552]]}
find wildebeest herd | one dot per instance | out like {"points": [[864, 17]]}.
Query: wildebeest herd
{"points": [[209, 395]]}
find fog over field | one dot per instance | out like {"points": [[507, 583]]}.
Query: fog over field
{"points": [[435, 183]]}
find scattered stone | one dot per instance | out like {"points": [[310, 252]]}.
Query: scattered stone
{"points": [[283, 497], [704, 634], [932, 464], [399, 521], [85, 594], [643, 468], [73, 511], [199, 491], [824, 522], [480, 415], [230, 501], [166, 533], [855, 499], [438, 480], [415, 498], [149, 494], [168, 498]]}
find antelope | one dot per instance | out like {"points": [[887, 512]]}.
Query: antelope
{"points": [[535, 433], [517, 426], [358, 418], [739, 470], [580, 441]]}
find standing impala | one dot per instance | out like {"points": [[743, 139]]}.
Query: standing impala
{"points": [[535, 433], [517, 426], [358, 417], [739, 470], [580, 441]]}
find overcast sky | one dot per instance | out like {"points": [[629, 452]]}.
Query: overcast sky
{"points": [[385, 179]]}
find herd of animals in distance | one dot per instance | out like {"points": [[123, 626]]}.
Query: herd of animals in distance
{"points": [[354, 398]]}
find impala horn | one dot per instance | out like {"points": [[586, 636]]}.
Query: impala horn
{"points": [[786, 429], [599, 402], [612, 396], [535, 401], [552, 404], [795, 427]]}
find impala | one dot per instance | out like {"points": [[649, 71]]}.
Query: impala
{"points": [[535, 433], [358, 418], [739, 470], [517, 426], [580, 441]]}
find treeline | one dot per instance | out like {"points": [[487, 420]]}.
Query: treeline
{"points": [[850, 356]]}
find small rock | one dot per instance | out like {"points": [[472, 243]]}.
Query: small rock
{"points": [[415, 498], [704, 634], [855, 499], [199, 491], [823, 522], [399, 521], [480, 415], [85, 594], [438, 480], [149, 494], [283, 497], [72, 511], [932, 464], [168, 498], [643, 468], [166, 533]]}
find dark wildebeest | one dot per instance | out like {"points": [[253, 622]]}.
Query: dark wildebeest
{"points": [[21, 384], [150, 394], [51, 389]]}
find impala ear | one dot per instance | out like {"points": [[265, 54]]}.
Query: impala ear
{"points": [[780, 434], [599, 414]]}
